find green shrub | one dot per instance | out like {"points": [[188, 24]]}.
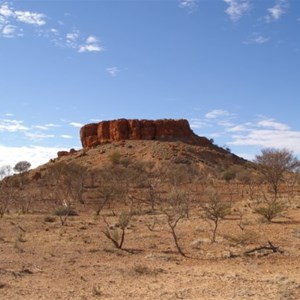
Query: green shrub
{"points": [[270, 210]]}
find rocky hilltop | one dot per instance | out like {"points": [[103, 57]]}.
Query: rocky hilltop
{"points": [[95, 134]]}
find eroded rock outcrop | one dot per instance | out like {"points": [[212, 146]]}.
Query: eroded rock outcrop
{"points": [[95, 134]]}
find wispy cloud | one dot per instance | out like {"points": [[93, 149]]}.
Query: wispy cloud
{"points": [[275, 12], [190, 5], [72, 39], [249, 136], [46, 126], [8, 14], [217, 113], [66, 136], [266, 132], [199, 123], [37, 136], [214, 122], [273, 124], [12, 126], [257, 39], [113, 71], [237, 8], [9, 31], [76, 124], [11, 21], [29, 17]]}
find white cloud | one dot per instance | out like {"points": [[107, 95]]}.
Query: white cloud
{"points": [[237, 8], [238, 128], [112, 71], [31, 18], [38, 136], [12, 126], [276, 12], [91, 45], [225, 123], [66, 136], [46, 126], [11, 20], [89, 48], [34, 154], [54, 31], [6, 11], [76, 124], [91, 40], [8, 31], [257, 39], [72, 39], [266, 133], [190, 5], [271, 123], [72, 36], [28, 17], [217, 113], [199, 123], [269, 139]]}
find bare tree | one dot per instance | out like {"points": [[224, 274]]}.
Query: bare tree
{"points": [[109, 187], [5, 171], [66, 187], [113, 233], [7, 196], [176, 209], [273, 164], [215, 210]]}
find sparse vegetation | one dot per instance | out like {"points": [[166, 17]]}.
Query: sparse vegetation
{"points": [[152, 209]]}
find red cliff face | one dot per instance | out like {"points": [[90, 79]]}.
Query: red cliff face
{"points": [[117, 130]]}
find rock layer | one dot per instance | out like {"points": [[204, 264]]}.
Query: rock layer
{"points": [[95, 134]]}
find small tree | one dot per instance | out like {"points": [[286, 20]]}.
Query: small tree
{"points": [[273, 164], [109, 186], [176, 209], [22, 166], [6, 196], [63, 212], [5, 171], [270, 208], [113, 233], [215, 210]]}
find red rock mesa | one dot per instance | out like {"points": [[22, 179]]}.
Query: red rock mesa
{"points": [[95, 134]]}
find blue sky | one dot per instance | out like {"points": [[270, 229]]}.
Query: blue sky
{"points": [[231, 67]]}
